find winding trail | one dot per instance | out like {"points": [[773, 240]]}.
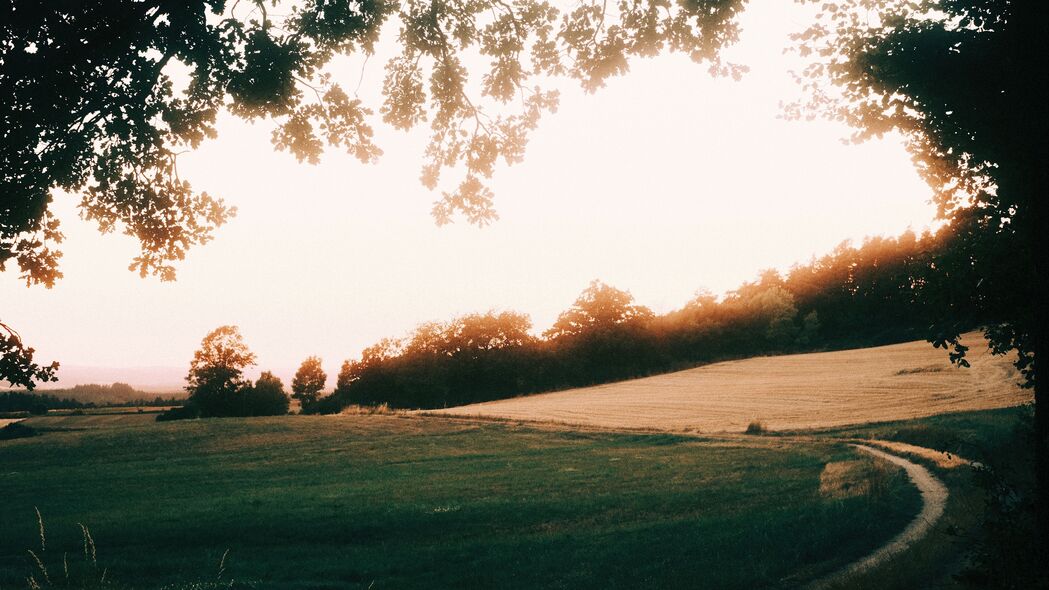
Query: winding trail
{"points": [[934, 499]]}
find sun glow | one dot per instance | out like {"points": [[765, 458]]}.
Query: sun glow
{"points": [[665, 182]]}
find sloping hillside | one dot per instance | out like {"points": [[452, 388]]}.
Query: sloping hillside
{"points": [[785, 392]]}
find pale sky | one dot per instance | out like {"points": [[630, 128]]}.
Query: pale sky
{"points": [[663, 183]]}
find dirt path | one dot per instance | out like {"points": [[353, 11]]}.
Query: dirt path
{"points": [[934, 499]]}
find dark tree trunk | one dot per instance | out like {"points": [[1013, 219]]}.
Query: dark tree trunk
{"points": [[1030, 31]]}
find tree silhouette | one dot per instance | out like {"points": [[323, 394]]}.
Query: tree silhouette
{"points": [[265, 398], [853, 297], [16, 361], [599, 308], [308, 381], [216, 374], [968, 90], [90, 106]]}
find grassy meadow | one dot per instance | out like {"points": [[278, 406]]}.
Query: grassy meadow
{"points": [[422, 502]]}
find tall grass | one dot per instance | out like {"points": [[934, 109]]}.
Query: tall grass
{"points": [[47, 571]]}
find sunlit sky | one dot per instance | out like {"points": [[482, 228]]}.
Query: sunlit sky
{"points": [[665, 182]]}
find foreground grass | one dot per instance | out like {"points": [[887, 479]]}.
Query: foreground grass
{"points": [[988, 436], [398, 502], [968, 544]]}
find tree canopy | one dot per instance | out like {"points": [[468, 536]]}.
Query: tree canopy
{"points": [[90, 103], [308, 381], [92, 107], [16, 361], [599, 307], [967, 84], [855, 296]]}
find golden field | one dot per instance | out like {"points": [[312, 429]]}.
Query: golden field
{"points": [[815, 390]]}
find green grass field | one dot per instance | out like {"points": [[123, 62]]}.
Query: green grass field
{"points": [[402, 502]]}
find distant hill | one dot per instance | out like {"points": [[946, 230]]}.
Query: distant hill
{"points": [[151, 380], [83, 396], [116, 393]]}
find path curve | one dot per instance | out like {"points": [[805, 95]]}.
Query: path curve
{"points": [[934, 499]]}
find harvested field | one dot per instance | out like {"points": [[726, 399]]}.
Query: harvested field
{"points": [[817, 390]]}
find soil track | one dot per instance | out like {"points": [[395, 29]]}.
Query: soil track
{"points": [[804, 391], [934, 499]]}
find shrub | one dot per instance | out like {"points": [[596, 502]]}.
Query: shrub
{"points": [[329, 404], [265, 398], [186, 412], [756, 427]]}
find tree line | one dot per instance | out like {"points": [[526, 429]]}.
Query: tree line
{"points": [[880, 292], [83, 396]]}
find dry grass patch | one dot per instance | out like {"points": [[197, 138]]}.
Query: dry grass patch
{"points": [[941, 459], [856, 478], [844, 479], [382, 409]]}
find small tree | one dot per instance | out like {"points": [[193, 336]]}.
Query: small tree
{"points": [[266, 398], [308, 382], [216, 374]]}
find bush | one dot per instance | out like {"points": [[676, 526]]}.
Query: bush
{"points": [[756, 427], [186, 412], [265, 398]]}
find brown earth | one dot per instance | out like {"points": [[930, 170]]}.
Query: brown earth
{"points": [[816, 390]]}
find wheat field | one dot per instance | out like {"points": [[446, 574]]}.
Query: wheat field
{"points": [[802, 391]]}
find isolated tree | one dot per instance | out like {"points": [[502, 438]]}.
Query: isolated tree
{"points": [[966, 82], [598, 308], [308, 382], [216, 374], [90, 104], [265, 398]]}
